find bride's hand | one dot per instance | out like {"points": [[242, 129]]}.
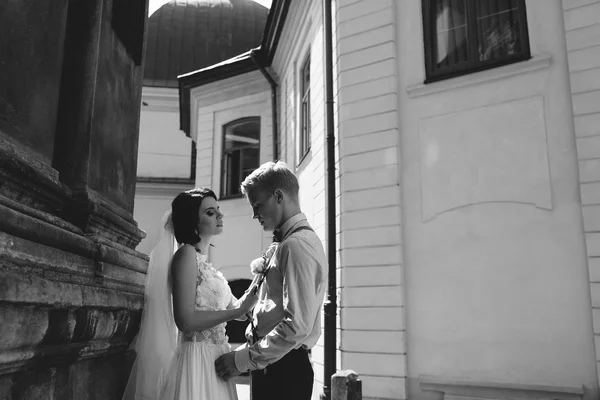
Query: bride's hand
{"points": [[248, 301]]}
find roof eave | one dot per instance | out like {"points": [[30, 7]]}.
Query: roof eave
{"points": [[273, 28], [236, 66], [193, 80]]}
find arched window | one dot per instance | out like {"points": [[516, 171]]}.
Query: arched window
{"points": [[241, 153]]}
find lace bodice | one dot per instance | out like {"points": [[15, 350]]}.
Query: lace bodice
{"points": [[212, 294]]}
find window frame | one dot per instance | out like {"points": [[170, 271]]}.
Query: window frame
{"points": [[223, 195], [304, 138], [429, 45]]}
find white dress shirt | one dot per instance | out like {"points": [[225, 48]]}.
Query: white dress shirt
{"points": [[288, 313]]}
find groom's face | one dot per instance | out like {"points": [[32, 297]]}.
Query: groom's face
{"points": [[266, 208]]}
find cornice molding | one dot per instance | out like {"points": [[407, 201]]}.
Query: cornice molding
{"points": [[160, 99], [253, 82], [536, 63], [157, 187]]}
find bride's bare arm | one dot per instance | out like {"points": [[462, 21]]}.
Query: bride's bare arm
{"points": [[183, 270]]}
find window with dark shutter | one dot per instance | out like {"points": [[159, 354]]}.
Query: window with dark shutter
{"points": [[464, 36]]}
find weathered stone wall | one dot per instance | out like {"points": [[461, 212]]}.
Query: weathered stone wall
{"points": [[71, 282], [34, 62]]}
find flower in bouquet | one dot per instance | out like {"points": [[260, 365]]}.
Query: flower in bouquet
{"points": [[259, 265]]}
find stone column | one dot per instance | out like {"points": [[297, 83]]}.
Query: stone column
{"points": [[71, 282]]}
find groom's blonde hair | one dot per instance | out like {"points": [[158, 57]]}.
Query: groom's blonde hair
{"points": [[269, 177]]}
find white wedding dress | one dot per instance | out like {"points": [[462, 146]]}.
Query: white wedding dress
{"points": [[192, 374]]}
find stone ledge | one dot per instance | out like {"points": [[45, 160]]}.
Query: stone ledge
{"points": [[36, 357], [24, 226], [119, 247], [65, 267], [459, 389], [40, 215], [98, 217], [50, 319], [34, 290], [29, 256], [38, 231], [26, 180], [34, 189]]}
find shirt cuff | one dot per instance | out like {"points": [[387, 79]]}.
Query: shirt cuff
{"points": [[242, 359]]}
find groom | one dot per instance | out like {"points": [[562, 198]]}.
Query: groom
{"points": [[287, 316]]}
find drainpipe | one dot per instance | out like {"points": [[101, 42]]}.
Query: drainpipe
{"points": [[259, 64], [330, 308]]}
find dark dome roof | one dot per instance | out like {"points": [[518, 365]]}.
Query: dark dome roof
{"points": [[186, 35]]}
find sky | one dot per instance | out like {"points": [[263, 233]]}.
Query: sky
{"points": [[156, 4]]}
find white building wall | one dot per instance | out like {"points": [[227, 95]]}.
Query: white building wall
{"points": [[582, 26], [496, 274], [214, 105], [164, 156], [372, 338], [304, 20], [164, 150], [152, 200]]}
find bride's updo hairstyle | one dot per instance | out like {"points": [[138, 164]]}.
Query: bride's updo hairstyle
{"points": [[184, 213]]}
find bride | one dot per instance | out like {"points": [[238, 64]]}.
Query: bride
{"points": [[187, 303]]}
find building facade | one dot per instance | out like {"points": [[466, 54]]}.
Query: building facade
{"points": [[181, 36], [467, 173]]}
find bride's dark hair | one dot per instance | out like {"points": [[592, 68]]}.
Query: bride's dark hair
{"points": [[184, 214]]}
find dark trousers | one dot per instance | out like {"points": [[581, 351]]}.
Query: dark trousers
{"points": [[290, 378]]}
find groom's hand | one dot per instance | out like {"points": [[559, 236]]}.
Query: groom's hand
{"points": [[225, 366]]}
